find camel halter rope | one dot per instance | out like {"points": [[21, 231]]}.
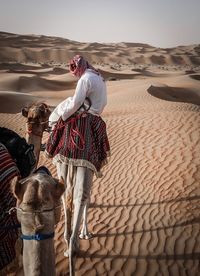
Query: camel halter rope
{"points": [[37, 236], [39, 134]]}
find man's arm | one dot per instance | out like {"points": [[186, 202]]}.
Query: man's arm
{"points": [[77, 100]]}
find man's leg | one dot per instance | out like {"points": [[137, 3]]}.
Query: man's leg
{"points": [[66, 172], [80, 196]]}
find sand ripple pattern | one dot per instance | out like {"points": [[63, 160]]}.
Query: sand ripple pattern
{"points": [[145, 211]]}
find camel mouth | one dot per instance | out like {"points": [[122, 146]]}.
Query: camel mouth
{"points": [[38, 227]]}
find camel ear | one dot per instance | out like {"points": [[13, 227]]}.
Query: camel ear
{"points": [[16, 188], [59, 188], [25, 111]]}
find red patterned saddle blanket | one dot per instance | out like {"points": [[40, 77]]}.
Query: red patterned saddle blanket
{"points": [[8, 170], [82, 137]]}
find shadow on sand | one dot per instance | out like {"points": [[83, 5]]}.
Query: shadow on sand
{"points": [[175, 94], [189, 256], [189, 198]]}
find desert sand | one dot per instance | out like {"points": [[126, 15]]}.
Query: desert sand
{"points": [[144, 212]]}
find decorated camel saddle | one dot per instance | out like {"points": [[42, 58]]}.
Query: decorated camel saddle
{"points": [[20, 151], [16, 160], [76, 141]]}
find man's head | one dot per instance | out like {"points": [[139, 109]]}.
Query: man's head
{"points": [[78, 65]]}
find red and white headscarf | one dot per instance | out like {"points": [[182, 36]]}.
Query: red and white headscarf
{"points": [[78, 65]]}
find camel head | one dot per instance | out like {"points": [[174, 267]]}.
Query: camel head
{"points": [[38, 200], [37, 118], [37, 122]]}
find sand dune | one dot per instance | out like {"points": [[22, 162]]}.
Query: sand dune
{"points": [[108, 75], [144, 212], [37, 83], [26, 83], [18, 66], [30, 48], [12, 102], [40, 72], [176, 94], [195, 77]]}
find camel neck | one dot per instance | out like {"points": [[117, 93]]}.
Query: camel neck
{"points": [[39, 258], [36, 141]]}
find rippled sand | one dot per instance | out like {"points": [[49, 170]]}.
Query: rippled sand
{"points": [[144, 212]]}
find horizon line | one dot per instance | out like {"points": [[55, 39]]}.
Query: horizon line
{"points": [[98, 42]]}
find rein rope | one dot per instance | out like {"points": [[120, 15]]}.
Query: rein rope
{"points": [[74, 132], [41, 123], [37, 236], [39, 134], [34, 212]]}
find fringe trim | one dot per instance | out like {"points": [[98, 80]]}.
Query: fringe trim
{"points": [[47, 155], [78, 162]]}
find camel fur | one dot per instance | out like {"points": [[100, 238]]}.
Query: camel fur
{"points": [[38, 197], [37, 122]]}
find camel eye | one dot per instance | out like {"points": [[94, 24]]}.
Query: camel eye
{"points": [[29, 204]]}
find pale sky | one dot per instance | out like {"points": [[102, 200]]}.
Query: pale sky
{"points": [[161, 23]]}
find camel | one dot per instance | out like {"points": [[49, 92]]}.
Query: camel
{"points": [[16, 159], [38, 210], [41, 198], [37, 122]]}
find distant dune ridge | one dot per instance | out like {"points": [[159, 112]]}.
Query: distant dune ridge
{"points": [[144, 212], [40, 49]]}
